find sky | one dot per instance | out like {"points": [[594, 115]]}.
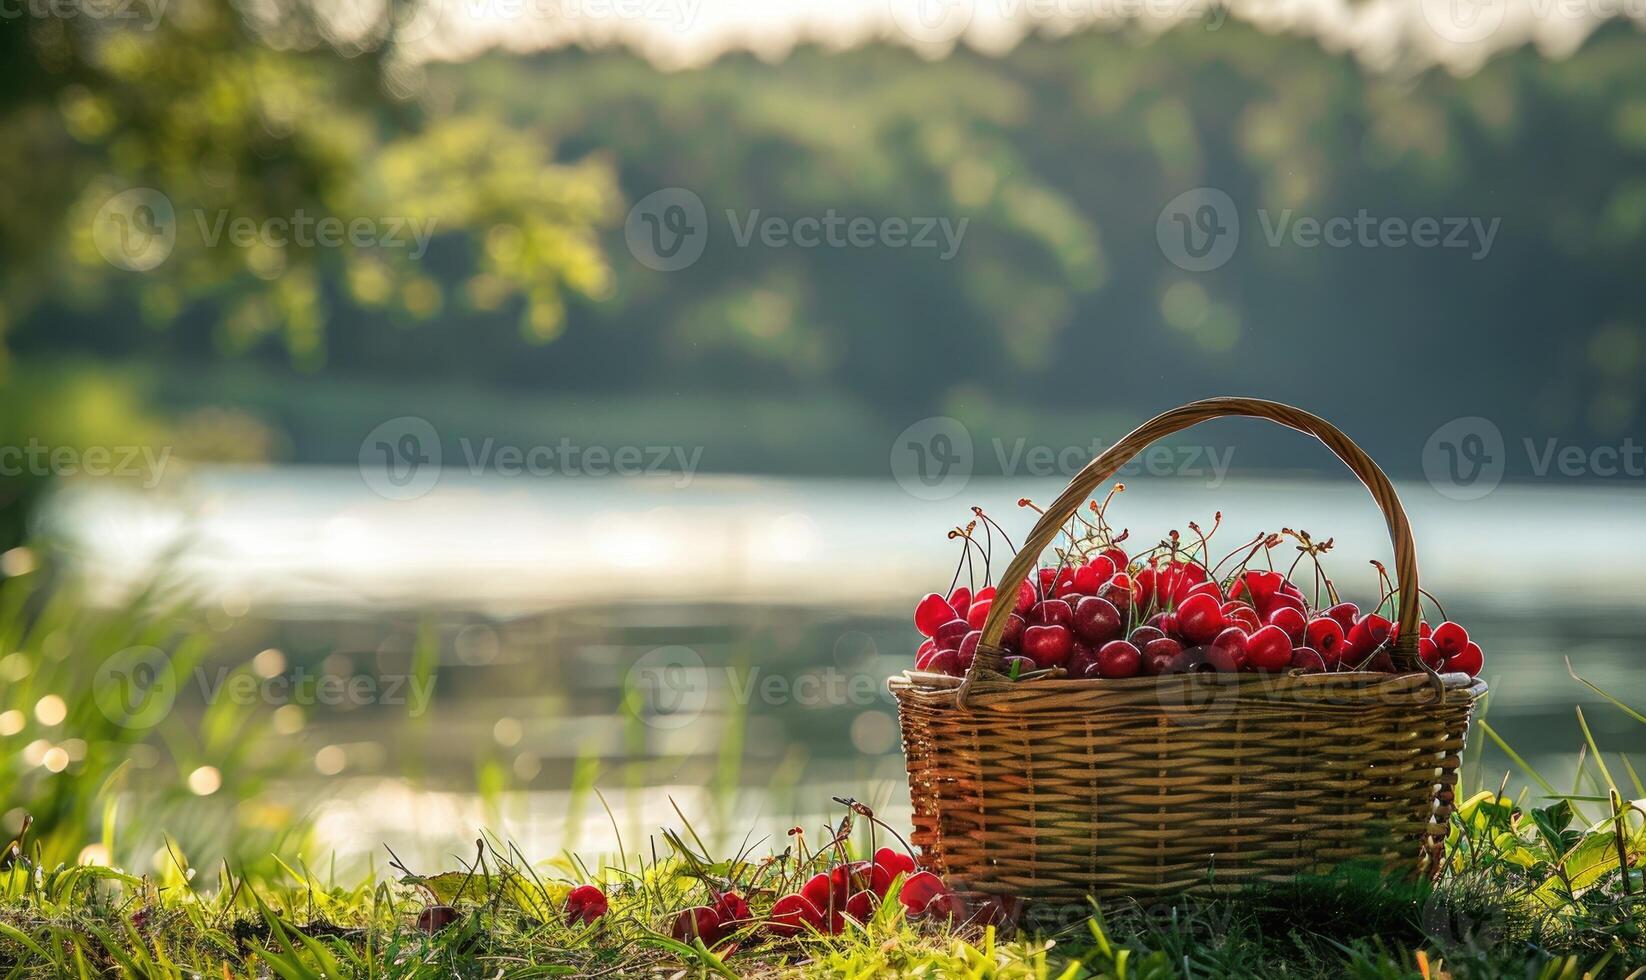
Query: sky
{"points": [[678, 34]]}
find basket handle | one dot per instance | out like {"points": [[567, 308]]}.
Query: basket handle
{"points": [[988, 657]]}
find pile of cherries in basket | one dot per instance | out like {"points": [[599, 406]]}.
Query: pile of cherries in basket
{"points": [[1102, 613]]}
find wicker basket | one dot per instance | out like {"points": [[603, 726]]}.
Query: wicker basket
{"points": [[1056, 789]]}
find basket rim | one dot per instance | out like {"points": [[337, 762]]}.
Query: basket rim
{"points": [[1290, 687]]}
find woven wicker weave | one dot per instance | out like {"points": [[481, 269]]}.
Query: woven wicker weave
{"points": [[1055, 789]]}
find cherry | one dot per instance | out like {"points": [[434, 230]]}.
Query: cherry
{"points": [[1026, 598], [1325, 636], [1117, 658], [1161, 663], [1085, 581], [960, 600], [1103, 566], [1281, 600], [1308, 661], [1429, 652], [1013, 632], [932, 612], [1117, 558], [949, 635], [888, 864], [978, 612], [1081, 659], [860, 906], [1469, 661], [585, 903], [698, 922], [945, 662], [1227, 652], [1346, 614], [793, 913], [1450, 638], [1201, 588], [968, 648], [1144, 635], [732, 909], [922, 655], [1048, 645], [1200, 618], [1291, 620], [1255, 585], [1239, 613], [987, 592], [1121, 590], [1163, 647], [1367, 635], [1269, 649], [1148, 586], [1165, 622], [1052, 612], [1096, 620], [921, 891]]}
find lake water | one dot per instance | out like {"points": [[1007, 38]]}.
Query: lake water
{"points": [[721, 645]]}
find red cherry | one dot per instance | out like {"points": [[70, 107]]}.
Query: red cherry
{"points": [[1144, 635], [1121, 590], [585, 903], [1255, 585], [1103, 567], [698, 922], [1269, 649], [1470, 661], [1325, 635], [1227, 652], [1117, 558], [949, 635], [1200, 619], [732, 909], [960, 600], [1164, 647], [921, 891], [932, 612], [922, 655], [1148, 586], [860, 906], [1082, 658], [945, 662], [1085, 581], [1368, 634], [987, 592], [1291, 620], [1238, 613], [1026, 598], [1308, 661], [888, 864], [1450, 638], [1429, 652], [1280, 600], [818, 890], [1052, 612], [1117, 658], [978, 612], [1346, 614], [793, 913], [1013, 633], [1048, 646], [1156, 664], [1096, 620], [968, 648], [1200, 588], [1165, 622]]}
